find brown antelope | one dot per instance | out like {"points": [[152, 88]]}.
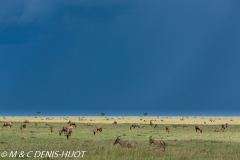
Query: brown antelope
{"points": [[155, 126], [24, 138], [98, 129], [7, 124], [50, 126], [36, 123], [198, 128], [217, 130], [67, 130], [87, 124], [185, 125], [223, 130], [159, 149], [72, 123], [115, 122], [223, 126], [220, 130], [152, 141], [151, 123], [23, 125], [124, 143], [26, 121], [167, 129], [135, 125], [226, 125]]}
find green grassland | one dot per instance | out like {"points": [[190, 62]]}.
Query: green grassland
{"points": [[182, 143]]}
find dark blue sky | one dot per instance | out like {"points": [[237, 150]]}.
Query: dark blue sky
{"points": [[120, 57]]}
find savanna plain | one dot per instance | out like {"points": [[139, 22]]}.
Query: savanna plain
{"points": [[183, 142]]}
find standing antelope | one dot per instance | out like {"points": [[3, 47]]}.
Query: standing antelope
{"points": [[152, 141], [67, 130], [26, 121], [226, 125], [72, 123], [223, 126], [7, 124], [135, 125], [23, 125], [50, 126], [115, 122], [197, 128], [98, 129], [167, 129], [151, 123], [124, 143]]}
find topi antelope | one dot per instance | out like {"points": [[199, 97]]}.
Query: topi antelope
{"points": [[87, 124], [23, 125], [197, 128], [67, 130], [7, 124], [72, 123], [151, 123], [217, 130], [152, 141], [26, 121], [124, 143], [185, 125], [167, 129], [98, 129], [24, 138], [223, 126], [159, 149], [50, 126], [226, 125], [135, 125]]}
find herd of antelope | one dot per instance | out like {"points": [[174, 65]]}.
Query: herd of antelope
{"points": [[68, 131]]}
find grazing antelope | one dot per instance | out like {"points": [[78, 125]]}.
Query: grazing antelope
{"points": [[167, 129], [197, 128], [50, 126], [72, 123], [7, 124], [124, 143], [135, 125], [23, 125], [98, 129], [115, 122], [67, 130], [155, 126], [152, 141], [36, 123]]}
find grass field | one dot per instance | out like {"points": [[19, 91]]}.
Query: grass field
{"points": [[182, 143]]}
